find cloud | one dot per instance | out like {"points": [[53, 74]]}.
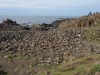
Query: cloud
{"points": [[47, 3]]}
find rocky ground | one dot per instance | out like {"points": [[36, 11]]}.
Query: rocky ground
{"points": [[52, 46], [40, 50]]}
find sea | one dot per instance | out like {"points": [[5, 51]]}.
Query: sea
{"points": [[29, 20]]}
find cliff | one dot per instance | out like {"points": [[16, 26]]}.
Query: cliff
{"points": [[81, 22]]}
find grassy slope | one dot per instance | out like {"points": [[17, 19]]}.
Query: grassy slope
{"points": [[85, 66], [15, 65], [91, 35]]}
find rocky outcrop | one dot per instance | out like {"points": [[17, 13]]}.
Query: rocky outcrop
{"points": [[85, 21], [81, 22], [8, 23]]}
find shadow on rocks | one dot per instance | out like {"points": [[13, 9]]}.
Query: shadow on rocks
{"points": [[3, 72]]}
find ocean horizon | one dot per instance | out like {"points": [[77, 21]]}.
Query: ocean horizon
{"points": [[29, 20]]}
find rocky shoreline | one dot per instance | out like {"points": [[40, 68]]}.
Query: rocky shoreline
{"points": [[55, 45], [49, 44]]}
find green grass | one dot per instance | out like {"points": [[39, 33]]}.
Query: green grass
{"points": [[10, 56], [91, 35], [95, 68], [82, 66]]}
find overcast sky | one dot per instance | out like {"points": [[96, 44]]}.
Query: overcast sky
{"points": [[49, 7]]}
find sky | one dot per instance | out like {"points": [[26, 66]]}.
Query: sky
{"points": [[49, 7]]}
